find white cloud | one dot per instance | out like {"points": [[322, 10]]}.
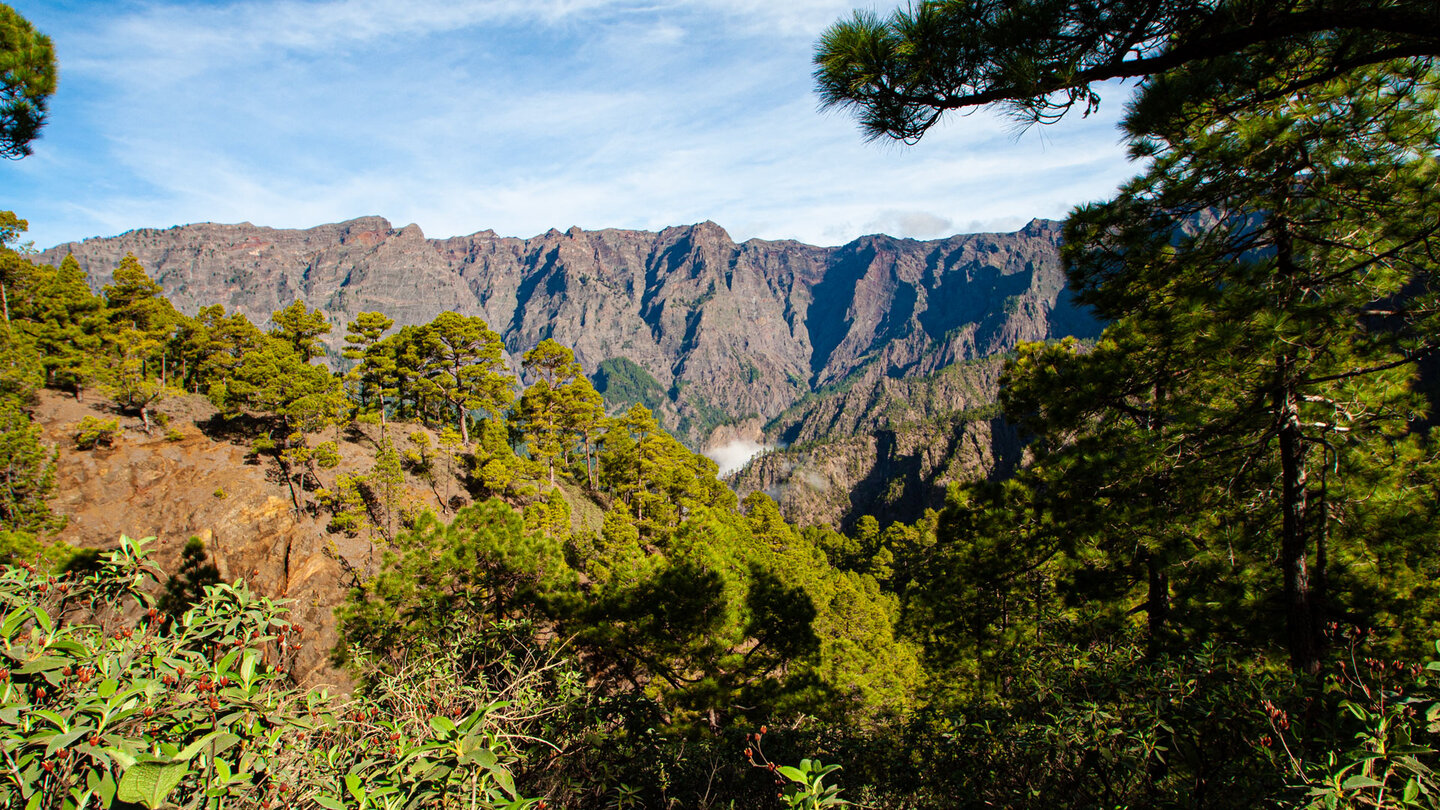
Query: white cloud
{"points": [[731, 457], [911, 224], [513, 115]]}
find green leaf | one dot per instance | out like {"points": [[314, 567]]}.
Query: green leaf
{"points": [[226, 663], [1360, 781], [64, 740], [352, 784], [124, 758], [150, 783], [331, 804], [507, 782], [792, 773], [52, 718], [45, 663], [222, 740], [11, 623], [442, 725], [43, 619]]}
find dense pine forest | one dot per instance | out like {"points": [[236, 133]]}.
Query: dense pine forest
{"points": [[1212, 582]]}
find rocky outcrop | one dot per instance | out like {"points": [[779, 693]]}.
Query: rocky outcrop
{"points": [[195, 483], [894, 473], [871, 401], [731, 331], [881, 446]]}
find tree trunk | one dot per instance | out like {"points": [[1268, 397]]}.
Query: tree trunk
{"points": [[1303, 608], [1157, 599], [589, 462]]}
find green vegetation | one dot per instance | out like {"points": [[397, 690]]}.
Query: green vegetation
{"points": [[27, 80], [1211, 584], [91, 433], [102, 709], [623, 382], [706, 417], [1242, 455]]}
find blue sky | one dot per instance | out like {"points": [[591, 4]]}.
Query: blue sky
{"points": [[511, 115]]}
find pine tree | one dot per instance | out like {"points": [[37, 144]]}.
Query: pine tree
{"points": [[363, 336], [302, 328], [134, 300], [27, 80], [1268, 278], [460, 365], [559, 408], [27, 472], [65, 322]]}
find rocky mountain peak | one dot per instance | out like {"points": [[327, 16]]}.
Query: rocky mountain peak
{"points": [[726, 332]]}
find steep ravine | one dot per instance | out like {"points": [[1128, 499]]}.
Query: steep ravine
{"points": [[882, 446]]}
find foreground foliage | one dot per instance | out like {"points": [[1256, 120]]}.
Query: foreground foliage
{"points": [[105, 706]]}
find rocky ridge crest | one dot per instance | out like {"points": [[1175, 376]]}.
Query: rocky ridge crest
{"points": [[732, 331]]}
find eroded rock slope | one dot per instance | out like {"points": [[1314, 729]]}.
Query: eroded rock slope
{"points": [[730, 331]]}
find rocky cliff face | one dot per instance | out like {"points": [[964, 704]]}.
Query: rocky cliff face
{"points": [[202, 481], [894, 472], [882, 446], [732, 331]]}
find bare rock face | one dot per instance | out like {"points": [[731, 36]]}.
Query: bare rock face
{"points": [[883, 446], [190, 484], [732, 331]]}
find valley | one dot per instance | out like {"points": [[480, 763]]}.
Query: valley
{"points": [[762, 343]]}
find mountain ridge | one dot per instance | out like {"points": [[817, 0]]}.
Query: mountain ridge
{"points": [[729, 330]]}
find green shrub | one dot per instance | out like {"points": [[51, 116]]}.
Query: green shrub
{"points": [[92, 433], [113, 712]]}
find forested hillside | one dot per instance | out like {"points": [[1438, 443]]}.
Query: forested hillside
{"points": [[1202, 570]]}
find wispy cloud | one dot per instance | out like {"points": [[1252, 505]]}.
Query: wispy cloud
{"points": [[515, 115]]}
